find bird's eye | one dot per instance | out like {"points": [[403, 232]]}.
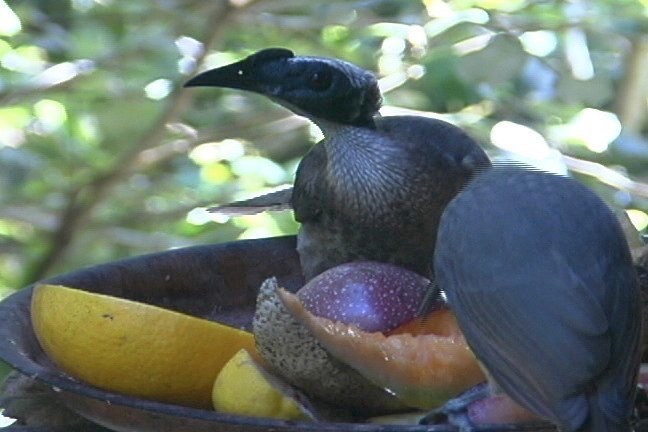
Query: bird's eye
{"points": [[320, 80]]}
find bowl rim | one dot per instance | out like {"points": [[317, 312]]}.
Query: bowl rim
{"points": [[14, 315]]}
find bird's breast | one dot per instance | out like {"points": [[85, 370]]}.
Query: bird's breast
{"points": [[367, 173]]}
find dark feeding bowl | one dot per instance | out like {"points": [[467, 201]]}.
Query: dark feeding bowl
{"points": [[218, 282]]}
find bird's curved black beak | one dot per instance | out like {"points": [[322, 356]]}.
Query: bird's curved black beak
{"points": [[247, 74]]}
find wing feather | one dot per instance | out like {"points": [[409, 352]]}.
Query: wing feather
{"points": [[273, 201], [534, 300]]}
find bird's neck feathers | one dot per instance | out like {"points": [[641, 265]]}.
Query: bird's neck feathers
{"points": [[363, 165]]}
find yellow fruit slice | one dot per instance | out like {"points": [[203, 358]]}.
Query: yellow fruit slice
{"points": [[244, 388], [133, 348]]}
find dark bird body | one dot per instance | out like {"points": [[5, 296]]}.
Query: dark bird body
{"points": [[378, 193], [375, 187], [540, 277]]}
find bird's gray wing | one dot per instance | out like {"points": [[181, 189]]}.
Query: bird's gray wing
{"points": [[273, 201], [533, 357], [542, 283], [445, 144]]}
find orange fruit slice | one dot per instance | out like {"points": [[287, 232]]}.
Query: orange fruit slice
{"points": [[133, 348], [423, 363]]}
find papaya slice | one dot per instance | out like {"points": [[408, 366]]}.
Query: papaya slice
{"points": [[424, 363]]}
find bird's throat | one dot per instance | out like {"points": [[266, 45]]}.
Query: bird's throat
{"points": [[363, 166]]}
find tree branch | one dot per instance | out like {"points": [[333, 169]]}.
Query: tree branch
{"points": [[631, 99], [85, 199], [606, 175]]}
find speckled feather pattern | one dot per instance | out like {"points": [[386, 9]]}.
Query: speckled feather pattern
{"points": [[378, 194]]}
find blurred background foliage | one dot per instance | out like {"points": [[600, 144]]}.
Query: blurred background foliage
{"points": [[103, 153]]}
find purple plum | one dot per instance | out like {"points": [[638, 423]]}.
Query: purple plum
{"points": [[371, 295]]}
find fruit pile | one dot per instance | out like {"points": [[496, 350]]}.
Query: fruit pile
{"points": [[346, 345]]}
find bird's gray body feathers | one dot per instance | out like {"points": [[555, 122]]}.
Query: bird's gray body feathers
{"points": [[538, 272], [378, 193]]}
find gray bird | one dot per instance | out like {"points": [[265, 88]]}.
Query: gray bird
{"points": [[375, 187], [540, 277]]}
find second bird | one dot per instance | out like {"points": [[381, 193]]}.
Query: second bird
{"points": [[375, 187]]}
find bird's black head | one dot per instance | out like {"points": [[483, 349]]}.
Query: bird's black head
{"points": [[315, 87]]}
